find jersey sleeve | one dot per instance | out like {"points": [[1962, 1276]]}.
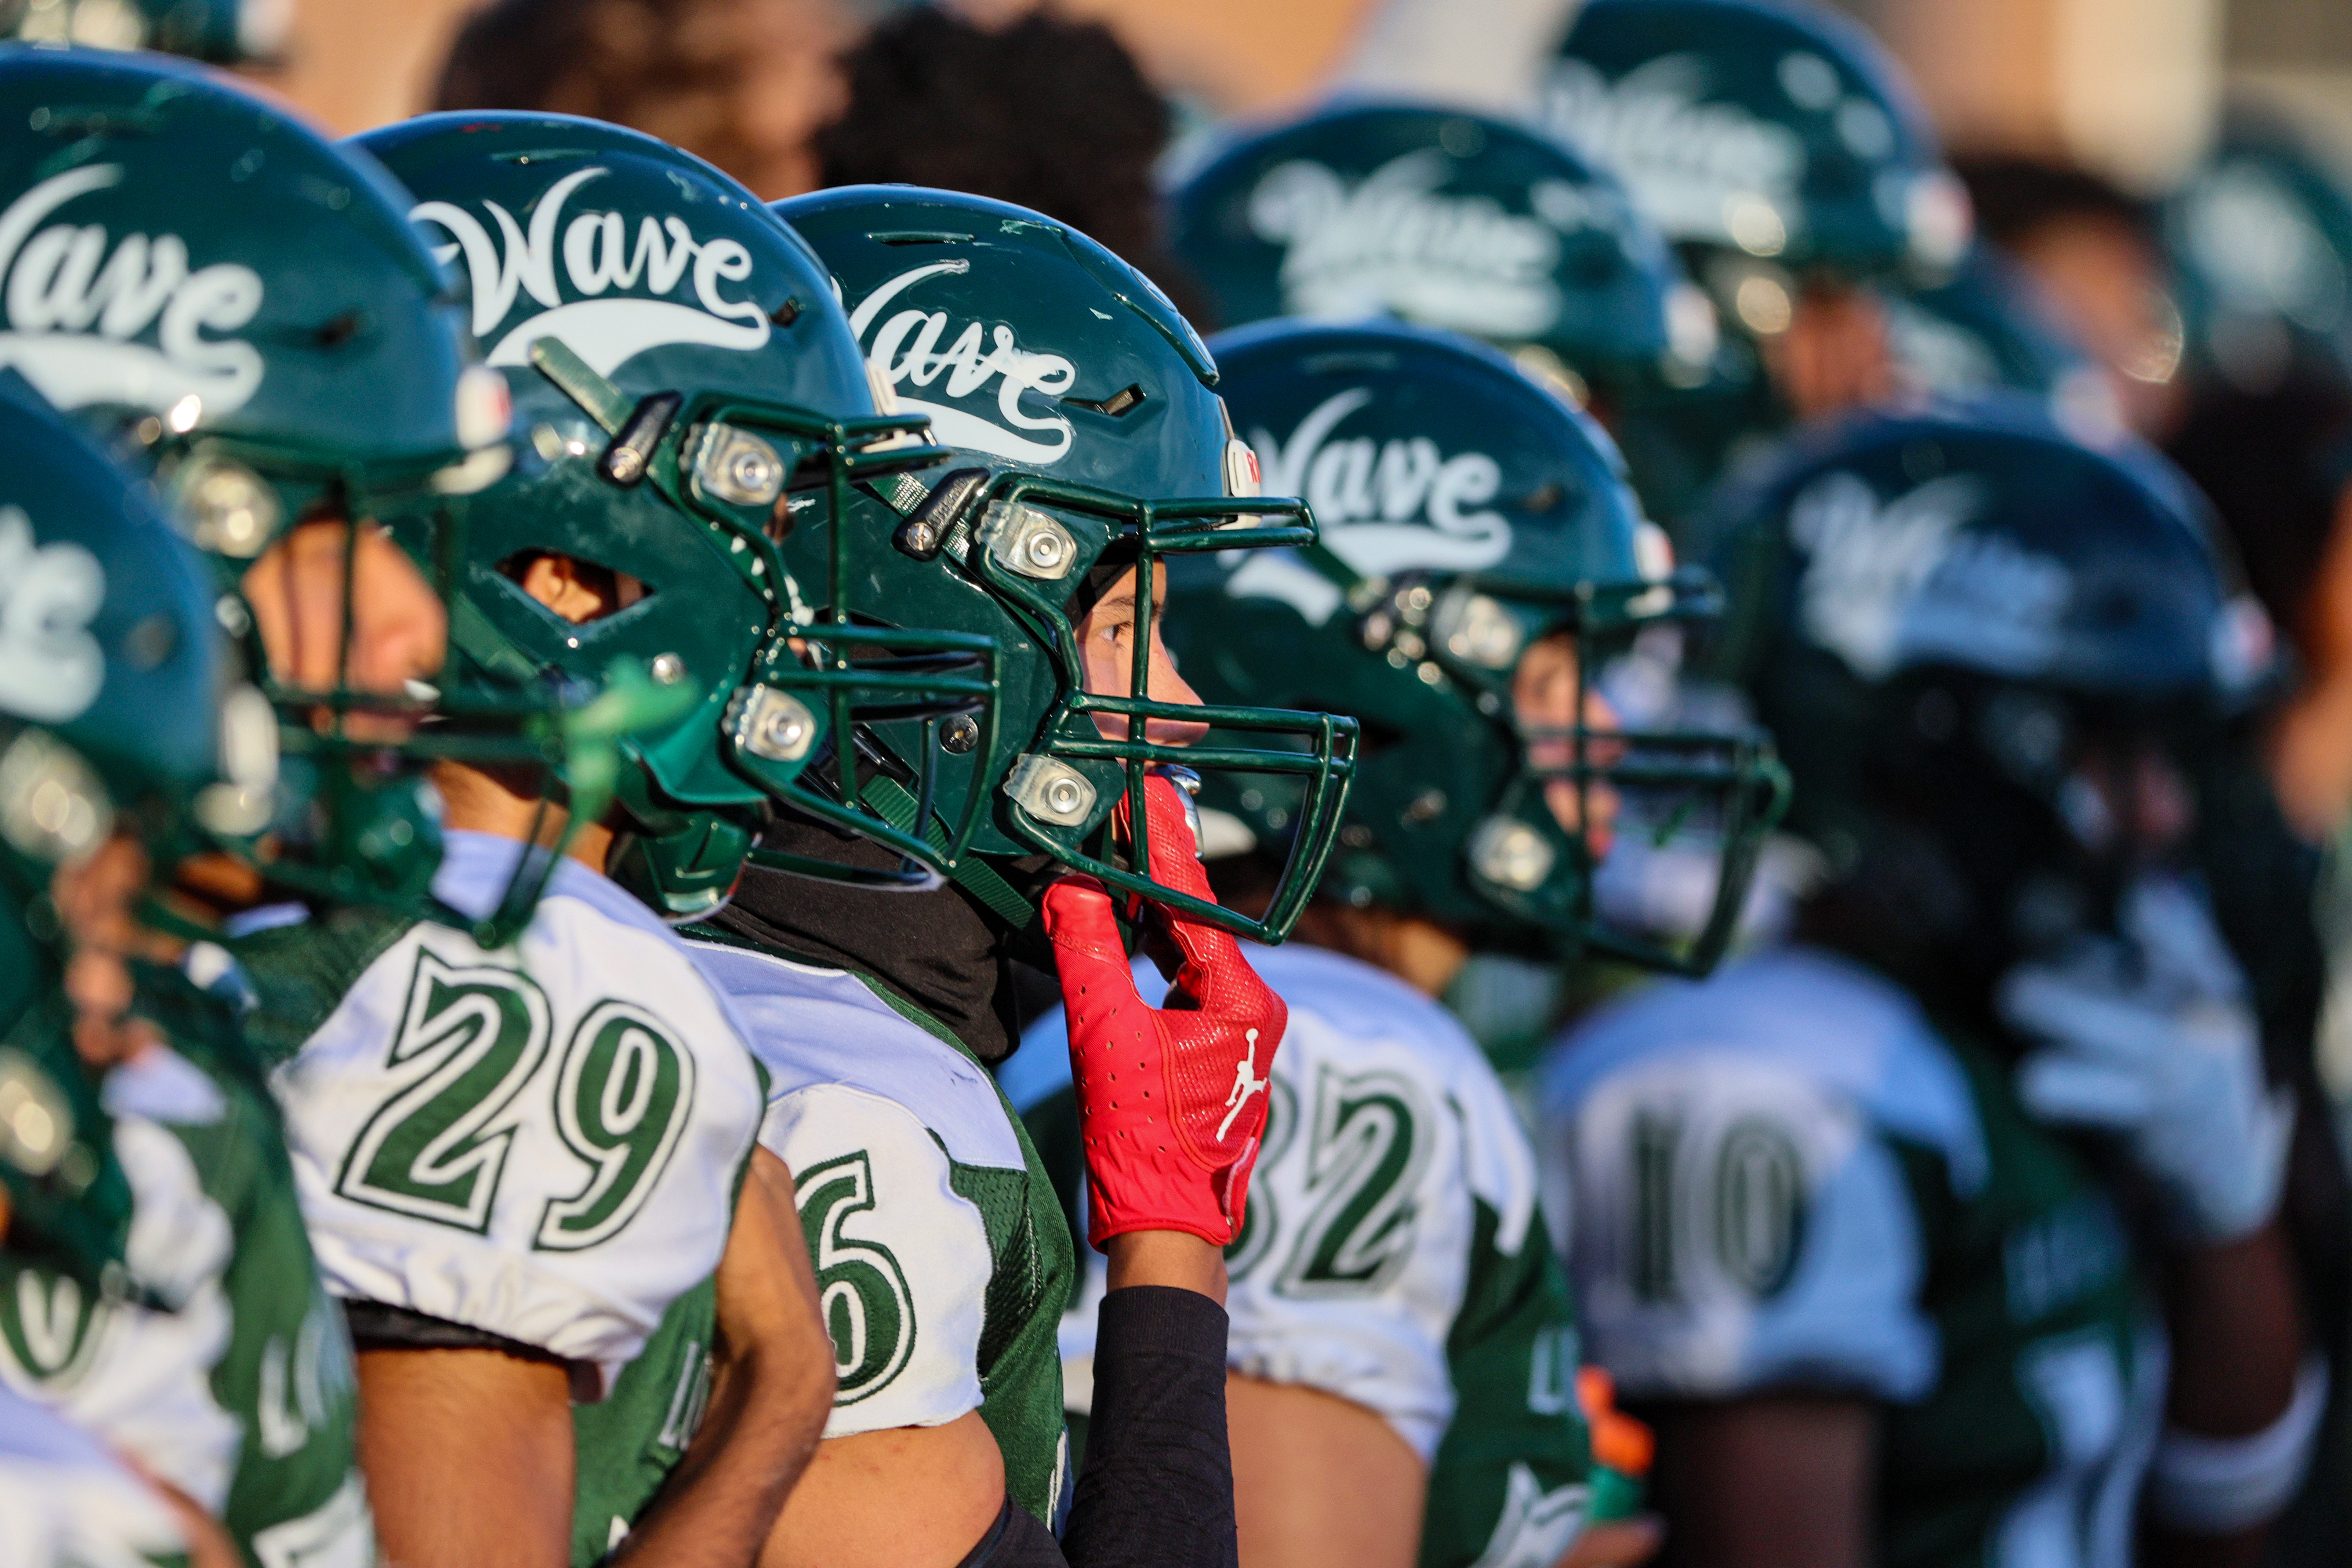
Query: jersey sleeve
{"points": [[902, 1260], [140, 1377], [542, 1143], [1737, 1227], [1510, 1481]]}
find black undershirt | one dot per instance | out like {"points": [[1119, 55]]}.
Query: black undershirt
{"points": [[940, 951]]}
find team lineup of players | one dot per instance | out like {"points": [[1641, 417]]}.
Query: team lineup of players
{"points": [[694, 882]]}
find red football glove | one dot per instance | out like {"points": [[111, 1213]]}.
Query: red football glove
{"points": [[1171, 1101]]}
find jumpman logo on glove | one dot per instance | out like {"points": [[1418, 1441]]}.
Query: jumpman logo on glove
{"points": [[1245, 1083]]}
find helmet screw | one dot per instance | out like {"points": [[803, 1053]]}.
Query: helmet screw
{"points": [[1045, 548], [668, 669], [754, 469], [782, 732], [960, 736], [1062, 794]]}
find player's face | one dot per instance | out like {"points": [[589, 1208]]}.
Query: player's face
{"points": [[1106, 645], [1833, 354], [97, 901], [395, 630], [1544, 697]]}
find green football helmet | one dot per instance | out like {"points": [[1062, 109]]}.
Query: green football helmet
{"points": [[1087, 440], [220, 32], [241, 311], [688, 395], [1766, 130], [1778, 146], [1447, 220], [118, 712], [1468, 518], [1937, 610]]}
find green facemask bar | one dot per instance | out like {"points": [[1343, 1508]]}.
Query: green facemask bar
{"points": [[819, 675], [1026, 546]]}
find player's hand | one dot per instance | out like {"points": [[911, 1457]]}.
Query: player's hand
{"points": [[2151, 1040], [1173, 1100]]}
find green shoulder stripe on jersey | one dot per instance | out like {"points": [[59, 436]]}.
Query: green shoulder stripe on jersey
{"points": [[303, 971], [2052, 1364], [284, 1374], [626, 1446]]}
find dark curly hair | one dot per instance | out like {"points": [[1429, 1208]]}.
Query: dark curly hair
{"points": [[743, 83], [1045, 112]]}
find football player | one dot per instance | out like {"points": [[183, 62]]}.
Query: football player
{"points": [[1948, 1234], [687, 390], [143, 307], [1778, 147], [1404, 1355], [122, 1269], [1087, 449]]}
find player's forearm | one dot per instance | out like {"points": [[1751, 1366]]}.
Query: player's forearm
{"points": [[2236, 1322], [725, 1495], [1766, 1481], [1158, 1486], [2236, 1325]]}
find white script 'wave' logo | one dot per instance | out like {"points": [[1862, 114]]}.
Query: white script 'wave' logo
{"points": [[618, 280], [131, 325], [1382, 507], [50, 666], [1688, 162], [1890, 584], [1391, 243], [905, 351]]}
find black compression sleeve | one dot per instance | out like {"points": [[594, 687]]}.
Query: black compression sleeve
{"points": [[1157, 1490]]}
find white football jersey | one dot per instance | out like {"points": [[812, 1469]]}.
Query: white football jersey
{"points": [[141, 1377], [876, 1116], [1388, 1131], [1762, 1100], [542, 1141], [66, 1502]]}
